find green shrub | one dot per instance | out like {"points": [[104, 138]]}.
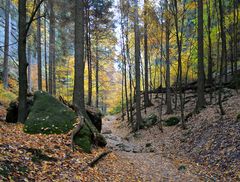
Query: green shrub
{"points": [[172, 121]]}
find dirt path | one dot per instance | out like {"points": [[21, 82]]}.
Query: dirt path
{"points": [[149, 165]]}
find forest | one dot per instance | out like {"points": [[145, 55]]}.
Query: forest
{"points": [[119, 90]]}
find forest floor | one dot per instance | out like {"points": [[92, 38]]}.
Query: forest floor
{"points": [[207, 151]]}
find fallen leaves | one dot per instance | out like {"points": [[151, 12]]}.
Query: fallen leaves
{"points": [[49, 157]]}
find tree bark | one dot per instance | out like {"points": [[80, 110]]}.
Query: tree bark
{"points": [[6, 45], [201, 75], [168, 74], [146, 96], [51, 48], [78, 93], [45, 50], [137, 66], [22, 111], [39, 50], [224, 50]]}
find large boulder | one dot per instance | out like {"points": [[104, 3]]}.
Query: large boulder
{"points": [[149, 121], [49, 116], [172, 121]]}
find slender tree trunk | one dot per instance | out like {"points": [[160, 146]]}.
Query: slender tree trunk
{"points": [[122, 100], [223, 57], [45, 50], [97, 73], [130, 75], [51, 48], [6, 45], [235, 46], [210, 62], [39, 50], [179, 45], [89, 58], [146, 96], [137, 66], [168, 92], [22, 109], [29, 72], [124, 61], [200, 90]]}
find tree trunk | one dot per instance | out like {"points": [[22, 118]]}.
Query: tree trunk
{"points": [[146, 96], [130, 75], [223, 57], [168, 93], [200, 91], [29, 74], [97, 73], [39, 51], [89, 57], [51, 48], [137, 66], [45, 50], [210, 63], [179, 45], [78, 93], [6, 45], [22, 109]]}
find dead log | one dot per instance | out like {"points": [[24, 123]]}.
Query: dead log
{"points": [[97, 159]]}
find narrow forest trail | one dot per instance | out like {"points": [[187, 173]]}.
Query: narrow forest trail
{"points": [[149, 165]]}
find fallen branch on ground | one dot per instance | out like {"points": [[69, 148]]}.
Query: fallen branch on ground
{"points": [[97, 159]]}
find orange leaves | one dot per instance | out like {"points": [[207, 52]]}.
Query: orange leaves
{"points": [[49, 158]]}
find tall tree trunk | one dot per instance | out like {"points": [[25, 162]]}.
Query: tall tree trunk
{"points": [[78, 94], [168, 92], [146, 96], [45, 50], [89, 57], [130, 75], [97, 73], [6, 45], [29, 72], [210, 62], [39, 50], [235, 46], [51, 49], [179, 45], [201, 75], [22, 109], [223, 57], [137, 66]]}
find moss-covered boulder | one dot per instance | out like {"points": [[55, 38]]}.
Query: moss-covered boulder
{"points": [[172, 121], [49, 116], [149, 121]]}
